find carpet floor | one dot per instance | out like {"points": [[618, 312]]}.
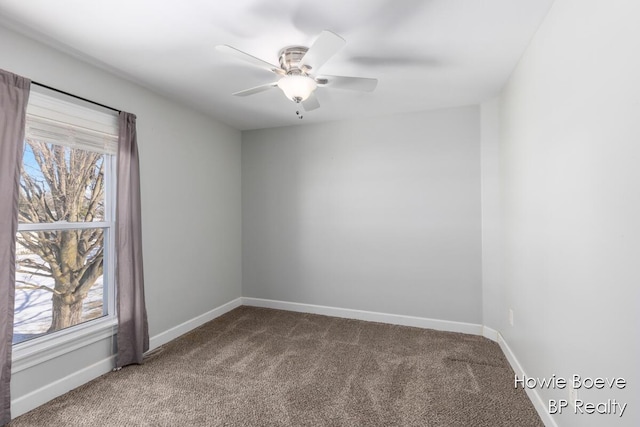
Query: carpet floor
{"points": [[264, 367]]}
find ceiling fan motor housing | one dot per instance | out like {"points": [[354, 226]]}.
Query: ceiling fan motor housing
{"points": [[290, 58]]}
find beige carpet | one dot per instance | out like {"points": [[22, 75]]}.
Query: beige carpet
{"points": [[262, 367]]}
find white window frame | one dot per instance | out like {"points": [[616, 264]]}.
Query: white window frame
{"points": [[50, 105]]}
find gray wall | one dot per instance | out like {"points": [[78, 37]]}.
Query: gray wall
{"points": [[570, 173], [492, 257], [190, 173], [380, 214]]}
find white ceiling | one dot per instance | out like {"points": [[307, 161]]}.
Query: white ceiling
{"points": [[426, 54]]}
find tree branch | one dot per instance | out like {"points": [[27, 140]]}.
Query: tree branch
{"points": [[27, 285], [89, 278]]}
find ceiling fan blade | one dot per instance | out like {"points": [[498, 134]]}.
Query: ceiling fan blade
{"points": [[311, 103], [256, 89], [363, 84], [249, 58], [325, 46]]}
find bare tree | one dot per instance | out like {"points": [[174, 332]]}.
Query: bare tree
{"points": [[67, 185]]}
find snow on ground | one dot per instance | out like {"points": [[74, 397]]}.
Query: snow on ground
{"points": [[33, 308]]}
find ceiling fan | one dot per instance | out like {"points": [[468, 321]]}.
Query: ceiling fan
{"points": [[298, 71]]}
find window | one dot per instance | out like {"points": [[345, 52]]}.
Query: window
{"points": [[65, 240]]}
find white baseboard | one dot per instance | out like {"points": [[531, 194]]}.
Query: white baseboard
{"points": [[533, 394], [489, 333], [370, 316], [173, 333], [40, 396]]}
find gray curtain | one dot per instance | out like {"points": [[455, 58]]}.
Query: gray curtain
{"points": [[133, 330], [14, 95]]}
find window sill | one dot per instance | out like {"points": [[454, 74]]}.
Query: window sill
{"points": [[39, 350]]}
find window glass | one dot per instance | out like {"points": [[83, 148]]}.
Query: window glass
{"points": [[64, 259], [60, 183], [53, 291]]}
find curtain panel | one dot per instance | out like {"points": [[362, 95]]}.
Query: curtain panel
{"points": [[14, 95], [133, 329]]}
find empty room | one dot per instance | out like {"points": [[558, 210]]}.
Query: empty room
{"points": [[296, 213]]}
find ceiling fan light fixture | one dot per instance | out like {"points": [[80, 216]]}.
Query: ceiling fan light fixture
{"points": [[296, 87]]}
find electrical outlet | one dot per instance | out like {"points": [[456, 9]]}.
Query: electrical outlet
{"points": [[573, 396], [511, 316]]}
